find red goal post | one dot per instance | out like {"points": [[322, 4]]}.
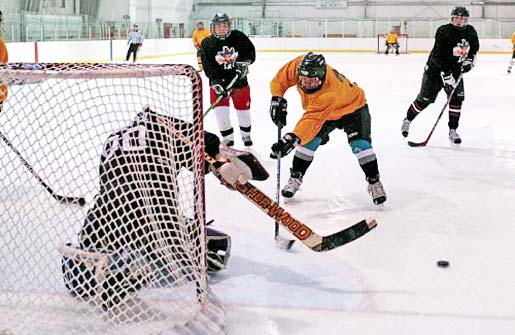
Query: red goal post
{"points": [[403, 43]]}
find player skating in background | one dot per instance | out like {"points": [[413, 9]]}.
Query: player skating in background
{"points": [[513, 54], [135, 222], [226, 54], [3, 59], [454, 52], [331, 101], [198, 35], [135, 41], [392, 41]]}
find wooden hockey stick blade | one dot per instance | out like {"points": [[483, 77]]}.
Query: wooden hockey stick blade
{"points": [[415, 144]]}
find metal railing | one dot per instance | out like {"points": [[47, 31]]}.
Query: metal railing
{"points": [[29, 27]]}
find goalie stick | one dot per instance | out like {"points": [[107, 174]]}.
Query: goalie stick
{"points": [[61, 198], [301, 231]]}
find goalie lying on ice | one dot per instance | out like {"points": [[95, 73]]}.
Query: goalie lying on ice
{"points": [[137, 233]]}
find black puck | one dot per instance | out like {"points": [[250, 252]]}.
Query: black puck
{"points": [[442, 264]]}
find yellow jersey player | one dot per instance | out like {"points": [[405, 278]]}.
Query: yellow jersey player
{"points": [[198, 35], [331, 102], [392, 41], [513, 55], [3, 59]]}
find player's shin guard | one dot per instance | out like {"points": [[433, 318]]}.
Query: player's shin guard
{"points": [[245, 125], [454, 115]]}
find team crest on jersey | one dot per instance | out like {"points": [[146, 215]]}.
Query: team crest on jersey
{"points": [[461, 49], [226, 57]]}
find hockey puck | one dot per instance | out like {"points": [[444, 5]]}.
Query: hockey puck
{"points": [[442, 264]]}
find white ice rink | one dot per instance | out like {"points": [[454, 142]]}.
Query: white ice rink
{"points": [[445, 202]]}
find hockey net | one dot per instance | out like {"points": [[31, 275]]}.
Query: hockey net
{"points": [[403, 44], [131, 260]]}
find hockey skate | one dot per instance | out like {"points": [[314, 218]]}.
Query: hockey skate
{"points": [[247, 141], [376, 190], [293, 184], [454, 137], [405, 127]]}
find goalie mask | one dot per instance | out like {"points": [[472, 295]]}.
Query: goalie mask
{"points": [[221, 26], [311, 72], [460, 16]]}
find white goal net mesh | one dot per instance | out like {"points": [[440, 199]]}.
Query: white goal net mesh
{"points": [[126, 143]]}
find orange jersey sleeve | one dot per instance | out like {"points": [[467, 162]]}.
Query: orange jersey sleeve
{"points": [[513, 40], [199, 35], [391, 38], [336, 98], [3, 59]]}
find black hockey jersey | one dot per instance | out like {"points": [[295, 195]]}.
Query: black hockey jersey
{"points": [[447, 38], [139, 192], [218, 57]]}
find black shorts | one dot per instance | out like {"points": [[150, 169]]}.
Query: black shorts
{"points": [[356, 125], [432, 84]]}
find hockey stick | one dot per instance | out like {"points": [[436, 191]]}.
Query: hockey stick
{"points": [[301, 231], [221, 96], [61, 198], [281, 242], [424, 143]]}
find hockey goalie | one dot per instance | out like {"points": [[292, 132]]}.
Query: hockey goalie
{"points": [[136, 234]]}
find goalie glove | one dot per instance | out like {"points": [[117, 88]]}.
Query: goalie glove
{"points": [[448, 80], [284, 146], [278, 112], [242, 69], [468, 64], [242, 168]]}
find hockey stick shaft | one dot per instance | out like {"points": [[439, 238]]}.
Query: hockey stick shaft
{"points": [[281, 242], [61, 198], [424, 143], [221, 96], [301, 231]]}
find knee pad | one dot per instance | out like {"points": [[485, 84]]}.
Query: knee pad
{"points": [[358, 146]]}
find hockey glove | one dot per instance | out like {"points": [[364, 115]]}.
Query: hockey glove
{"points": [[448, 80], [325, 139], [284, 146], [278, 111], [242, 69], [219, 89], [468, 64]]}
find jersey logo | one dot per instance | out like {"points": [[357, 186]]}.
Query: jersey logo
{"points": [[461, 49], [226, 57]]}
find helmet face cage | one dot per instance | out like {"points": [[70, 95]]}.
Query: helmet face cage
{"points": [[312, 66], [219, 18], [460, 11]]}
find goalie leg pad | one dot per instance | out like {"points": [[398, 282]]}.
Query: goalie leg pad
{"points": [[78, 278], [218, 250]]}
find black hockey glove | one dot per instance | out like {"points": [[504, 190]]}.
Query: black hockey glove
{"points": [[217, 86], [468, 64], [242, 69], [278, 111], [284, 146], [448, 80], [325, 139]]}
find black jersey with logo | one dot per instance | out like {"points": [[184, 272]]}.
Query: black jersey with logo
{"points": [[218, 57], [448, 37]]}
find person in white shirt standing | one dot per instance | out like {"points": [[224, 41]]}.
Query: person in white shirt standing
{"points": [[135, 41]]}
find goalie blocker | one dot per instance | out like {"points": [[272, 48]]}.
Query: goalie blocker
{"points": [[134, 214]]}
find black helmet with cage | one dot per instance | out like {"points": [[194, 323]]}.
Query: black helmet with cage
{"points": [[460, 11], [220, 18], [312, 66]]}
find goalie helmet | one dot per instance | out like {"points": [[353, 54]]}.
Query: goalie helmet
{"points": [[460, 12], [311, 72], [217, 19]]}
